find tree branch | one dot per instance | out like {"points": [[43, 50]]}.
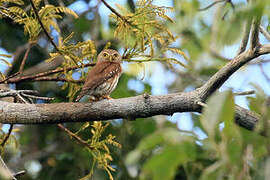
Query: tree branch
{"points": [[6, 172], [254, 37], [57, 79], [223, 74], [24, 58], [210, 5], [43, 74], [75, 136], [7, 136], [134, 107]]}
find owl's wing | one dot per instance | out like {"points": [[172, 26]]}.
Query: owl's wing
{"points": [[98, 75]]}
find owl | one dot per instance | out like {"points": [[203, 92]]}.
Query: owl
{"points": [[103, 77]]}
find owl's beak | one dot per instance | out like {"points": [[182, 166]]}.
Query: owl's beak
{"points": [[110, 58]]}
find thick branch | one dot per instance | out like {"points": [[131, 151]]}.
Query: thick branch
{"points": [[130, 108], [133, 107]]}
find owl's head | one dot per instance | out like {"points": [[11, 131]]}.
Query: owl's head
{"points": [[109, 55]]}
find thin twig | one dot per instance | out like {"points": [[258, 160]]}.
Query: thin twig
{"points": [[244, 93], [202, 104], [42, 26], [265, 33], [215, 54], [9, 77], [43, 74], [209, 6], [7, 135], [23, 99], [24, 58], [57, 79], [115, 12], [231, 3], [255, 33], [264, 73], [20, 173], [259, 61], [23, 95], [5, 167], [214, 34], [38, 97], [73, 135], [244, 41], [13, 93]]}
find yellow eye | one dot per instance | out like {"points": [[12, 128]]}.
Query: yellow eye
{"points": [[105, 55], [115, 55]]}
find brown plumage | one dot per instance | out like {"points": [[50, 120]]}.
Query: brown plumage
{"points": [[103, 77]]}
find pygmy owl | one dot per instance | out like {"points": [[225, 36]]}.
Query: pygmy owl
{"points": [[103, 77]]}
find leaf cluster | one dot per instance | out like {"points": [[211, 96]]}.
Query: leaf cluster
{"points": [[98, 147], [226, 152], [11, 141], [74, 55], [3, 60], [143, 31], [47, 15]]}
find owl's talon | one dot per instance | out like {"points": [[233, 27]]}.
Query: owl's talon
{"points": [[107, 97], [146, 95], [92, 99]]}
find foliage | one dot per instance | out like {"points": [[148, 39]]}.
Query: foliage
{"points": [[152, 148], [139, 31], [47, 15], [74, 54], [99, 148], [3, 60]]}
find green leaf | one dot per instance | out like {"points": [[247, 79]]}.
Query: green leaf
{"points": [[231, 132], [255, 140], [163, 165], [133, 157], [156, 140], [216, 112], [151, 141], [211, 172]]}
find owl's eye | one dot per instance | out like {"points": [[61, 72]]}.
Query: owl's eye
{"points": [[105, 55], [115, 55]]}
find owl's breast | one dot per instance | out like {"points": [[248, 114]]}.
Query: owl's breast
{"points": [[107, 87]]}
